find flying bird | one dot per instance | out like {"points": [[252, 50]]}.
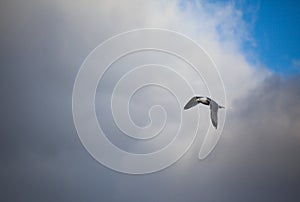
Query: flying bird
{"points": [[206, 101]]}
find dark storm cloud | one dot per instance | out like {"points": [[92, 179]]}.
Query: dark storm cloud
{"points": [[264, 128], [42, 159], [257, 158]]}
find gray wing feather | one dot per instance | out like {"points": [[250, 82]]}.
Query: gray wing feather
{"points": [[191, 103], [214, 113]]}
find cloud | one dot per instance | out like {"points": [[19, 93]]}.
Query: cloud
{"points": [[256, 159], [44, 44]]}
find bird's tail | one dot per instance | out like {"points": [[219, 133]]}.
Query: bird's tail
{"points": [[221, 107]]}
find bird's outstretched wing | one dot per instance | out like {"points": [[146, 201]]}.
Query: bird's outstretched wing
{"points": [[214, 113], [191, 103]]}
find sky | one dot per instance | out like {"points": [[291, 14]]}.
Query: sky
{"points": [[274, 31], [276, 34], [255, 46]]}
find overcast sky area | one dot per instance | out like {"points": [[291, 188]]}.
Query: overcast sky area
{"points": [[256, 47]]}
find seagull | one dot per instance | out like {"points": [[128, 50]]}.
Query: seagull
{"points": [[206, 101]]}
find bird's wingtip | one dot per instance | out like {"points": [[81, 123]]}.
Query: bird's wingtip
{"points": [[215, 126]]}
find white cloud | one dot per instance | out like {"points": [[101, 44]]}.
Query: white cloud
{"points": [[217, 27], [79, 26]]}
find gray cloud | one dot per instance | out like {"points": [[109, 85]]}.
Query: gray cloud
{"points": [[42, 158]]}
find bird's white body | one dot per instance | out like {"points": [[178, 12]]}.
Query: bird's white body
{"points": [[203, 100]]}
